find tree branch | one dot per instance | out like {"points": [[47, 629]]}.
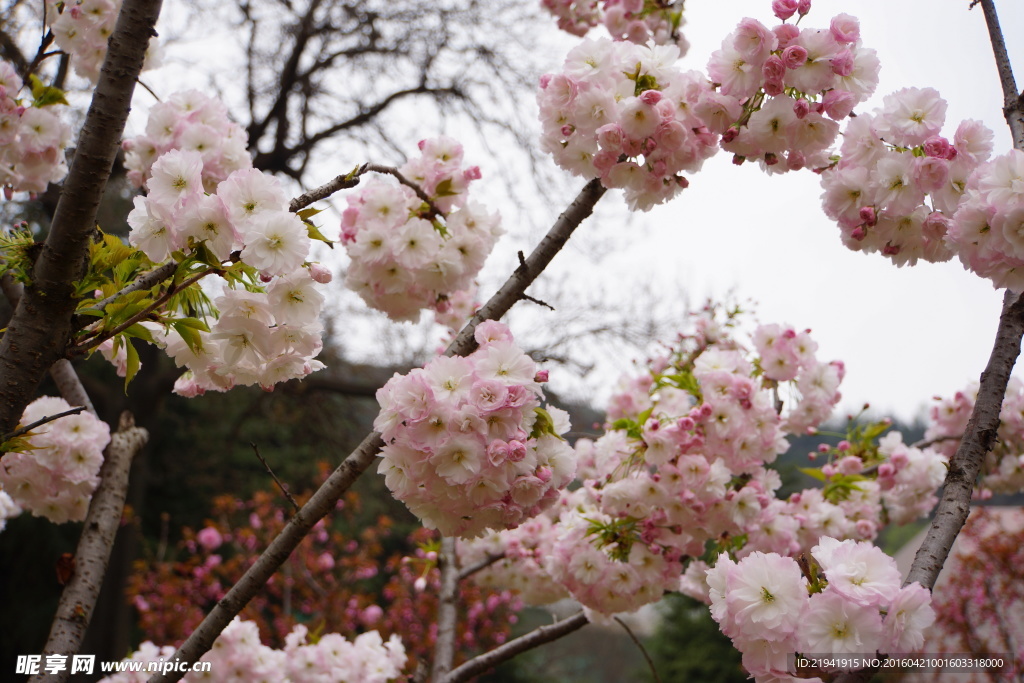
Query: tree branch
{"points": [[467, 572], [1013, 101], [323, 501], [38, 423], [40, 328], [79, 597], [535, 638], [447, 611]]}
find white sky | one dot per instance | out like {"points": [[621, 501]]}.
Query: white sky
{"points": [[905, 334]]}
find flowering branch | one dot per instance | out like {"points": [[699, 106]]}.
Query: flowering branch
{"points": [[535, 638], [981, 432], [145, 281], [323, 501], [467, 572], [93, 553], [40, 328], [92, 342], [350, 180], [41, 421], [447, 610]]}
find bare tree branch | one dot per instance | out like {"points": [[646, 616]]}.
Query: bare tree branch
{"points": [[447, 611], [502, 653], [1013, 100], [323, 501], [79, 597]]}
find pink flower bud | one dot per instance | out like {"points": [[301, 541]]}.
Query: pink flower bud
{"points": [[773, 69], [804, 7], [794, 56], [867, 214], [420, 584], [842, 63], [801, 108], [651, 97], [784, 9], [541, 376], [372, 614], [320, 274]]}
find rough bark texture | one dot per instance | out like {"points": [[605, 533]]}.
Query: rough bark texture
{"points": [[101, 524], [39, 330]]}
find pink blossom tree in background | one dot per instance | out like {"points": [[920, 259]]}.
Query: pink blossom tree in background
{"points": [[677, 494]]}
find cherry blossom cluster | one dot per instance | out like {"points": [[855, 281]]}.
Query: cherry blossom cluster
{"points": [[204, 194], [405, 256], [238, 656], [851, 603], [625, 114], [988, 228], [682, 463], [524, 551], [32, 140], [189, 121], [782, 90], [898, 183], [81, 28], [1003, 469], [261, 338], [638, 21], [56, 476], [468, 447], [909, 478]]}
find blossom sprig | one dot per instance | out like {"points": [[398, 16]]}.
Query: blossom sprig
{"points": [[770, 609], [898, 183], [625, 114], [1003, 468], [33, 136], [417, 244], [81, 29], [468, 447], [214, 215], [305, 658], [57, 470], [637, 21], [780, 91]]}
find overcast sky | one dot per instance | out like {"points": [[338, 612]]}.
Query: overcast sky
{"points": [[905, 334]]}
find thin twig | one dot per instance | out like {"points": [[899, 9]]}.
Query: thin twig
{"points": [[87, 343], [280, 484], [467, 572], [502, 653], [324, 499], [643, 650], [43, 420], [927, 443], [144, 281]]}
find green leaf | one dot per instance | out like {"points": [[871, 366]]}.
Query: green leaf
{"points": [[140, 332], [308, 213], [315, 234], [44, 95], [133, 363], [444, 189], [813, 472]]}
